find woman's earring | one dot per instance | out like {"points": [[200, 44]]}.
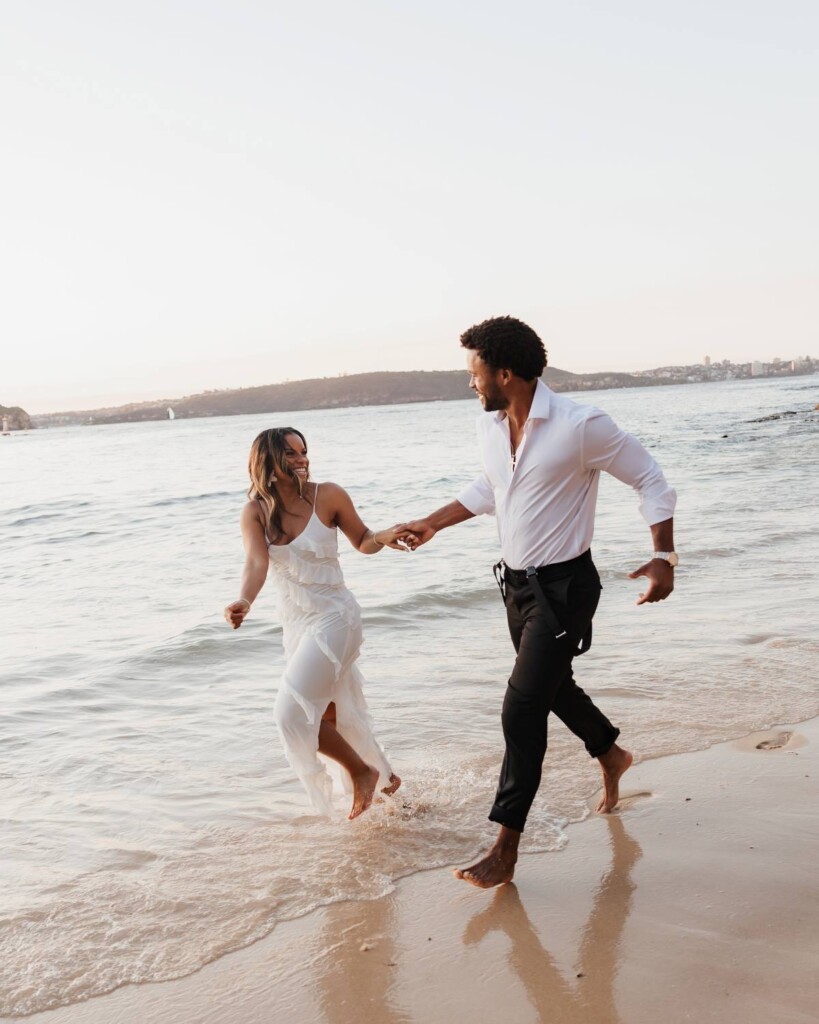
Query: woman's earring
{"points": [[273, 479]]}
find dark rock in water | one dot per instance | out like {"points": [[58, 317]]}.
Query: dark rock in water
{"points": [[775, 416], [14, 418]]}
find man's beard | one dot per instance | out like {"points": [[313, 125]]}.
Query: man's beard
{"points": [[494, 401]]}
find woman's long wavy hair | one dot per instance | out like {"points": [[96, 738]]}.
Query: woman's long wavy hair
{"points": [[267, 461]]}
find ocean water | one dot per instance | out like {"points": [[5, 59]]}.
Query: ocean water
{"points": [[148, 821]]}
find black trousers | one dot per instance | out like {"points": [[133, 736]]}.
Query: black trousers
{"points": [[542, 680]]}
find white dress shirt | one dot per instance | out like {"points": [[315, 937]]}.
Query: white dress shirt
{"points": [[545, 503]]}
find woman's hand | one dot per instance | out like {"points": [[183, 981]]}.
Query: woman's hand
{"points": [[397, 537], [235, 613]]}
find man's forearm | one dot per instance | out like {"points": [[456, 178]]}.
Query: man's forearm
{"points": [[662, 535], [449, 515]]}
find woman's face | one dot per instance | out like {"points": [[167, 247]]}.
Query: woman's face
{"points": [[295, 454]]}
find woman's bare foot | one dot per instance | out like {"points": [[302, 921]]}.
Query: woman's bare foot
{"points": [[614, 764], [395, 782], [498, 866], [363, 791]]}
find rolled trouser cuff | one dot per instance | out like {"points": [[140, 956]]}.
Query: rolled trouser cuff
{"points": [[502, 817], [604, 748]]}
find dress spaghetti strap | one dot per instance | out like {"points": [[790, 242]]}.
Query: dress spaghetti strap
{"points": [[264, 521]]}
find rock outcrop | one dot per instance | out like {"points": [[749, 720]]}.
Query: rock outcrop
{"points": [[14, 418]]}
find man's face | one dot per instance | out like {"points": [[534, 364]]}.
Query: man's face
{"points": [[485, 382]]}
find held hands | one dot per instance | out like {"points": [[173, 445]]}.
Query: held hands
{"points": [[399, 537], [420, 531], [406, 536], [236, 612], [661, 580]]}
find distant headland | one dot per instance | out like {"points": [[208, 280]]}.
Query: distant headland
{"points": [[392, 388], [385, 388]]}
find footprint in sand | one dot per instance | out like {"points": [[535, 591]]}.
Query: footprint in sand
{"points": [[775, 742], [626, 802], [787, 740]]}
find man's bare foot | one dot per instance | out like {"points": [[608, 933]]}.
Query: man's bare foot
{"points": [[496, 868], [363, 791], [614, 764], [395, 782]]}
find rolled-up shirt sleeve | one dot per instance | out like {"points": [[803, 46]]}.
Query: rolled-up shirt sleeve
{"points": [[478, 497], [607, 447]]}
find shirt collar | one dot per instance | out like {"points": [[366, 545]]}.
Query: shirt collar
{"points": [[541, 400]]}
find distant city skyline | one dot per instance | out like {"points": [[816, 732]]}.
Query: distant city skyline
{"points": [[229, 195]]}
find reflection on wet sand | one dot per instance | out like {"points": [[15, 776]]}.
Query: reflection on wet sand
{"points": [[590, 993], [358, 972], [355, 930]]}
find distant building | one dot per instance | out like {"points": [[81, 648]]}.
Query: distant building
{"points": [[757, 369], [707, 361]]}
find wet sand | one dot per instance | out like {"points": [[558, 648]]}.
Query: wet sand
{"points": [[697, 901]]}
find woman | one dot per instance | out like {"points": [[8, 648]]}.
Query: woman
{"points": [[290, 523]]}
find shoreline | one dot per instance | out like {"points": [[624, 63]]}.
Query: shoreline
{"points": [[690, 902], [289, 396]]}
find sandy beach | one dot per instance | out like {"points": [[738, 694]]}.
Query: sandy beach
{"points": [[695, 901]]}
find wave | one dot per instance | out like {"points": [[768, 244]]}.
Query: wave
{"points": [[428, 604], [56, 504], [206, 643], [29, 514], [68, 536], [189, 499]]}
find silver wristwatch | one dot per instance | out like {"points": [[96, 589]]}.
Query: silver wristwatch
{"points": [[671, 557]]}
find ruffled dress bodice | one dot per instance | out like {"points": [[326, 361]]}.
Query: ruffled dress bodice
{"points": [[310, 582]]}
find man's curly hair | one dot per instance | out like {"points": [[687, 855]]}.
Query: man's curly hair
{"points": [[505, 343]]}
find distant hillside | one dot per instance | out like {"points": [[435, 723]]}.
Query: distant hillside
{"points": [[14, 418], [329, 393]]}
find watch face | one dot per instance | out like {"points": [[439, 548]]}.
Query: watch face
{"points": [[673, 559]]}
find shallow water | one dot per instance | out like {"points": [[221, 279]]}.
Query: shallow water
{"points": [[148, 821]]}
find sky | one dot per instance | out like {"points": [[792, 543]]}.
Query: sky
{"points": [[206, 194]]}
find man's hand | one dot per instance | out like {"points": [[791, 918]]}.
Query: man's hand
{"points": [[398, 537], [661, 580], [421, 531]]}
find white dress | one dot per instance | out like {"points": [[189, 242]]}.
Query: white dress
{"points": [[322, 637]]}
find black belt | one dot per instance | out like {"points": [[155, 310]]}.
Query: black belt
{"points": [[533, 576]]}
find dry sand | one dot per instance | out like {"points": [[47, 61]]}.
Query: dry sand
{"points": [[696, 901]]}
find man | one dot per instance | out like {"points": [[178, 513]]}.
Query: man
{"points": [[542, 458]]}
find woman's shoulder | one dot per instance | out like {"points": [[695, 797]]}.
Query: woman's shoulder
{"points": [[330, 489], [252, 511], [331, 498]]}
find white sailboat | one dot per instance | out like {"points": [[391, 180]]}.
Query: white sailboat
{"points": [[171, 414]]}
